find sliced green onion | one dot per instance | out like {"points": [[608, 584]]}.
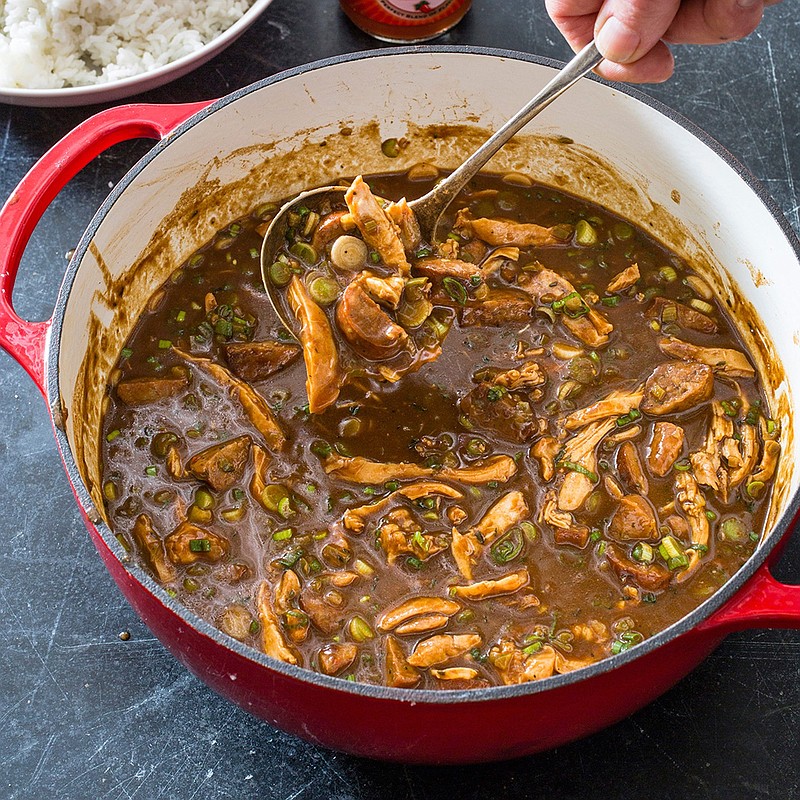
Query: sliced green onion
{"points": [[574, 466], [585, 234], [280, 273], [755, 488], [283, 535], [111, 435], [530, 530], [126, 352], [643, 553], [323, 291], [305, 252], [390, 148], [509, 547], [611, 302], [455, 290], [668, 274], [151, 470], [360, 630], [199, 545]]}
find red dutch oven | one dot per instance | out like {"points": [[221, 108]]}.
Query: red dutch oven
{"points": [[214, 162]]}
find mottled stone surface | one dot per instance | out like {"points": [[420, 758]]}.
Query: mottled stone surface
{"points": [[84, 714]]}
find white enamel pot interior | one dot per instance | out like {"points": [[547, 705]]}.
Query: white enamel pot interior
{"points": [[312, 125]]}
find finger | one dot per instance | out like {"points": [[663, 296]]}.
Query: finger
{"points": [[574, 19], [714, 21], [656, 66], [625, 30]]}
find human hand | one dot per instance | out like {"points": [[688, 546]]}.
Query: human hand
{"points": [[632, 34]]}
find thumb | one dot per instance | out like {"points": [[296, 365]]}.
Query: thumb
{"points": [[625, 30]]}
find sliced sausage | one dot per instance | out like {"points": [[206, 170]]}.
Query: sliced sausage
{"points": [[368, 329], [677, 386], [256, 361]]}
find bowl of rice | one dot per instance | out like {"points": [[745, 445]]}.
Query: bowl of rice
{"points": [[76, 52]]}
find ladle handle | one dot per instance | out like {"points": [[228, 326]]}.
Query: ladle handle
{"points": [[24, 340], [428, 208]]}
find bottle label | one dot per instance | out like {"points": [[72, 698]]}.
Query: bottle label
{"points": [[406, 12]]}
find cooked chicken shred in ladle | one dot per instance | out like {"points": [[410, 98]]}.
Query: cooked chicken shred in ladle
{"points": [[391, 231]]}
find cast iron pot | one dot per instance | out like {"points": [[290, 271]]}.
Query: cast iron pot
{"points": [[309, 126]]}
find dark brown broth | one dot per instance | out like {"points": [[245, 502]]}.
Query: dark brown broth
{"points": [[413, 420]]}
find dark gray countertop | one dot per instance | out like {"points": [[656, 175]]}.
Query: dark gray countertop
{"points": [[86, 715]]}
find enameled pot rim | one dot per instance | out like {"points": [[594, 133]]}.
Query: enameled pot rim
{"points": [[439, 697]]}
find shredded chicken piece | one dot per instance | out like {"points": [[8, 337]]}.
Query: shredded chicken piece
{"points": [[407, 226], [424, 624], [615, 404], [287, 592], [630, 469], [324, 377], [482, 590], [507, 512], [354, 518], [742, 455], [438, 268], [221, 465], [721, 359], [650, 577], [384, 290], [507, 232], [179, 545], [591, 631], [581, 450], [335, 658], [693, 503], [272, 641], [398, 537], [546, 286], [152, 548], [552, 515], [362, 470], [611, 484], [545, 450], [399, 673], [378, 229], [624, 435], [515, 667], [454, 673], [624, 279], [497, 258], [465, 548], [392, 617], [441, 648], [253, 404], [706, 464], [527, 376], [261, 461], [769, 461], [174, 464]]}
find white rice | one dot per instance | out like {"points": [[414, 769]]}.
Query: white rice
{"points": [[49, 44]]}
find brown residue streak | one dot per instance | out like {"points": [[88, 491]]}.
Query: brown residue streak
{"points": [[759, 279]]}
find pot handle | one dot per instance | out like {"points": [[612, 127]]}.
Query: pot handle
{"points": [[762, 602], [22, 339]]}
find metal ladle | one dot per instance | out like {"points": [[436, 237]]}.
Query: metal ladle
{"points": [[429, 208]]}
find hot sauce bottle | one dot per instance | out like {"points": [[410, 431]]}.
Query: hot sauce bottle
{"points": [[405, 20]]}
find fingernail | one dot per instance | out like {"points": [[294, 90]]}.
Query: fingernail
{"points": [[616, 41], [747, 4]]}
